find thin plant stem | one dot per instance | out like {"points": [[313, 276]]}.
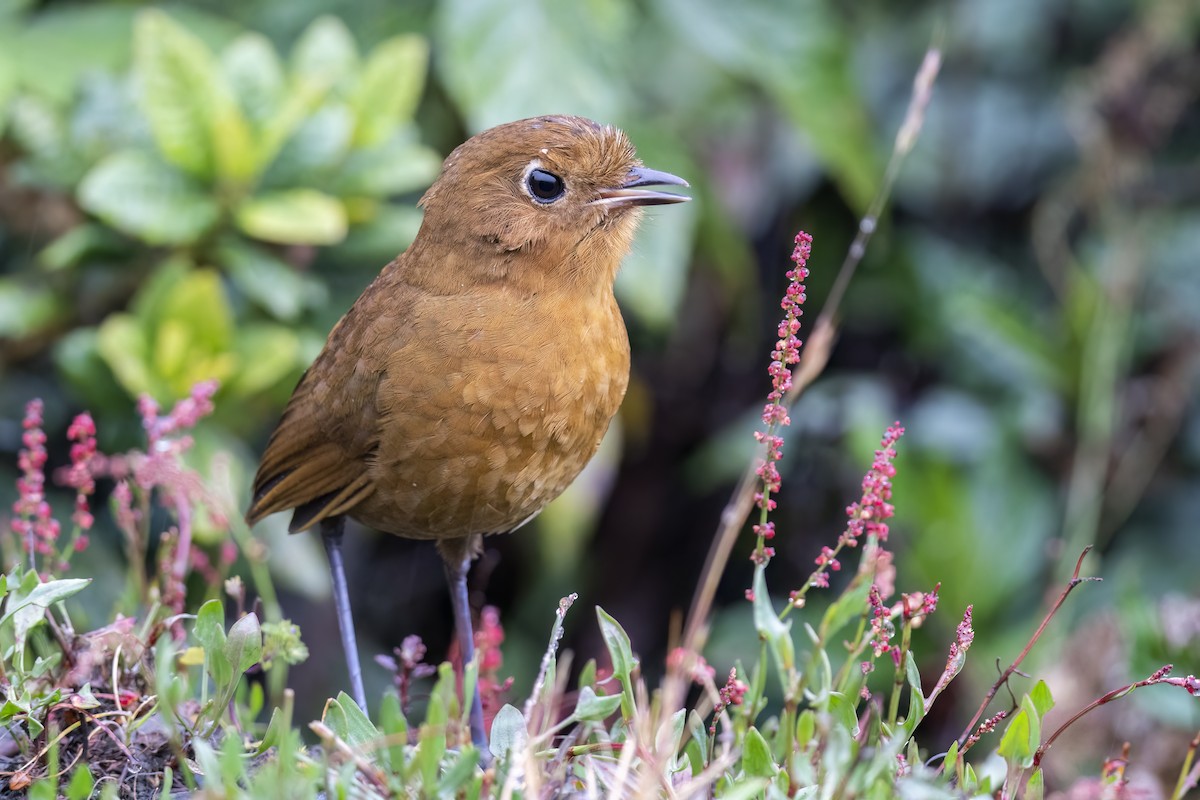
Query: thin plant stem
{"points": [[1181, 785], [1105, 699], [898, 681], [815, 354], [1007, 673]]}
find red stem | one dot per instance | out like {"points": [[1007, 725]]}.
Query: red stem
{"points": [[1007, 673]]}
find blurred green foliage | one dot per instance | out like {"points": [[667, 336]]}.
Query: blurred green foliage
{"points": [[201, 189], [200, 165]]}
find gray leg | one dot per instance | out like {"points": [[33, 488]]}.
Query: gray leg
{"points": [[456, 576], [331, 534]]}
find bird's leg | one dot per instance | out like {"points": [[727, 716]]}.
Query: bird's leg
{"points": [[332, 530], [456, 576]]}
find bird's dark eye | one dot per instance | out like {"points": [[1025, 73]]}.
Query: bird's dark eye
{"points": [[545, 187]]}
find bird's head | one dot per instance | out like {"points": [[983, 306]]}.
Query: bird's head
{"points": [[553, 193]]}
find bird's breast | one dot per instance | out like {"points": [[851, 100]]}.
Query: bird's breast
{"points": [[491, 409]]}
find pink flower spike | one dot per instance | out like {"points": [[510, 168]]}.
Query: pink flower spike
{"points": [[82, 432], [185, 415], [32, 517], [964, 636], [488, 638], [1191, 684], [882, 629], [784, 355], [868, 515], [931, 600], [190, 410]]}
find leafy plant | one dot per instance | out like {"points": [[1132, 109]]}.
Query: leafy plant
{"points": [[185, 198], [232, 157]]}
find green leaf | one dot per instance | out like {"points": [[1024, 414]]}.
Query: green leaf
{"points": [[592, 707], [120, 342], [255, 700], [912, 673], [43, 789], [770, 627], [181, 334], [276, 729], [25, 310], [41, 132], [1041, 698], [206, 760], [81, 783], [431, 746], [243, 644], [397, 166], [443, 700], [488, 70], [508, 731], [268, 354], [42, 665], [1018, 743], [587, 675], [1035, 722], [295, 110], [26, 605], [63, 44], [745, 789], [197, 302], [950, 760], [293, 216], [806, 727], [192, 111], [11, 708], [78, 360], [847, 607], [325, 52], [389, 87], [1035, 788], [695, 756], [395, 727], [678, 723], [209, 632], [431, 737], [803, 62], [139, 195], [255, 76], [971, 781], [457, 774], [842, 709], [84, 698], [756, 755], [314, 148], [620, 650], [916, 704], [79, 243], [348, 721]]}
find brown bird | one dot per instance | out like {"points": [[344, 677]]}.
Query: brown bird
{"points": [[474, 378]]}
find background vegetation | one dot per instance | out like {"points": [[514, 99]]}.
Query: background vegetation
{"points": [[199, 190]]}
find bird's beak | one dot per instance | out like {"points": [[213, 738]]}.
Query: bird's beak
{"points": [[631, 193]]}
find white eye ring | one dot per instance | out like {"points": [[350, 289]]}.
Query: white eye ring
{"points": [[542, 186]]}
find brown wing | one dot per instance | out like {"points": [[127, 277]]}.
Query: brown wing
{"points": [[317, 460]]}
